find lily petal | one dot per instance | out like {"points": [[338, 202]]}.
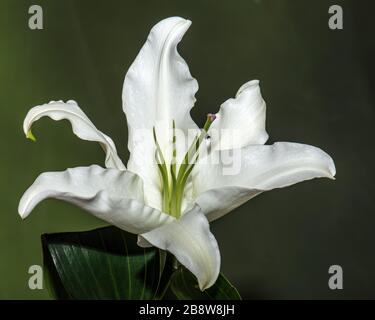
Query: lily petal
{"points": [[189, 239], [158, 89], [112, 195], [217, 202], [82, 127], [240, 121], [251, 170]]}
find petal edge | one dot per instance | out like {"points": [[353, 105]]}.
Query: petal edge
{"points": [[189, 239], [82, 127]]}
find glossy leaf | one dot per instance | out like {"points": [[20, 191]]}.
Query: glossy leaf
{"points": [[105, 263]]}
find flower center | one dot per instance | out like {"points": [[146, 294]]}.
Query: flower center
{"points": [[173, 180]]}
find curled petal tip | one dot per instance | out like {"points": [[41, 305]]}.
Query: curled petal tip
{"points": [[250, 84], [22, 210], [331, 168], [203, 287], [22, 215], [29, 135], [23, 207], [181, 18], [188, 22], [254, 82], [332, 175]]}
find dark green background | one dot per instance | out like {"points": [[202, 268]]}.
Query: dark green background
{"points": [[319, 86]]}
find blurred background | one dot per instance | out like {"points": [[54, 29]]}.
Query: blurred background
{"points": [[319, 88]]}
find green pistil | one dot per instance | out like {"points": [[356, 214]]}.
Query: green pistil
{"points": [[172, 191]]}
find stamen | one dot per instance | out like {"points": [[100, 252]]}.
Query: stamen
{"points": [[174, 152], [210, 118], [172, 191], [189, 156], [163, 172]]}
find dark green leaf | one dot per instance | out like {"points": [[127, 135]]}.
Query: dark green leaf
{"points": [[105, 263], [185, 287]]}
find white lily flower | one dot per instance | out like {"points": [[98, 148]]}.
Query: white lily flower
{"points": [[170, 202]]}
